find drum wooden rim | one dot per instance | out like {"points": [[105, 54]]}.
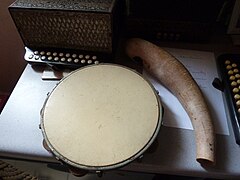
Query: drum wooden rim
{"points": [[59, 155]]}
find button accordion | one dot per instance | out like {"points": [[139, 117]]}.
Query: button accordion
{"points": [[73, 33]]}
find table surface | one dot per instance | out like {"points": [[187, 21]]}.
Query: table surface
{"points": [[173, 152]]}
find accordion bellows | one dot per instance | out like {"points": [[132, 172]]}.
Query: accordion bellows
{"points": [[76, 24]]}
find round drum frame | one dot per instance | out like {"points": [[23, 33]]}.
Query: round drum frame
{"points": [[138, 154]]}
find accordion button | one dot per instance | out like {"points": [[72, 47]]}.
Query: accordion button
{"points": [[37, 57], [238, 110], [234, 65], [237, 96], [43, 57], [227, 62], [30, 56], [50, 58], [48, 53], [61, 54], [89, 61], [56, 58], [80, 56], [235, 90], [63, 59], [96, 62], [238, 103], [94, 57], [67, 55], [69, 59], [234, 83], [54, 54], [83, 61], [74, 55], [235, 70], [230, 72], [35, 52], [76, 60], [42, 53], [87, 57], [229, 67]]}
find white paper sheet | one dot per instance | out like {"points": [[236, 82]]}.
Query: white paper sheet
{"points": [[202, 66]]}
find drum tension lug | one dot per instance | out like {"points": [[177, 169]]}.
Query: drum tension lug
{"points": [[139, 159], [99, 173]]}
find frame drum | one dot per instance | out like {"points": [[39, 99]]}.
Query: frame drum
{"points": [[101, 117]]}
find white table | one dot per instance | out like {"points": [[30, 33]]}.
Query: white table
{"points": [[172, 153]]}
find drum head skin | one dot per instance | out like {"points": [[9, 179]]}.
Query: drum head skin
{"points": [[101, 117]]}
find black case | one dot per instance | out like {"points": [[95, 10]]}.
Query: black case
{"points": [[229, 74]]}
